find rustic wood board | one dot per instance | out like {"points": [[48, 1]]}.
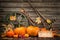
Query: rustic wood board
{"points": [[48, 8], [30, 38]]}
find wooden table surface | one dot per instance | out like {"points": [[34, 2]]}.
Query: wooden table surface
{"points": [[31, 38]]}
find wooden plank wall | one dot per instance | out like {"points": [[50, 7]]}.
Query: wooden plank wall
{"points": [[48, 8]]}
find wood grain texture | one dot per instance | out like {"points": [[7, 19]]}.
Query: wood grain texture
{"points": [[48, 8], [30, 38]]}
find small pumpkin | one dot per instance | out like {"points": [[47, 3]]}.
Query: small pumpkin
{"points": [[20, 30], [43, 29], [15, 36], [32, 30], [26, 35], [10, 33]]}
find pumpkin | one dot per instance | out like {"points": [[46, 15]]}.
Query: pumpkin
{"points": [[26, 35], [15, 36], [10, 33], [13, 18], [36, 29], [43, 29], [20, 30], [32, 30]]}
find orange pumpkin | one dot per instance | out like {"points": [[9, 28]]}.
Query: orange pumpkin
{"points": [[10, 33], [20, 30], [36, 29], [32, 31], [26, 35], [43, 29], [15, 36]]}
